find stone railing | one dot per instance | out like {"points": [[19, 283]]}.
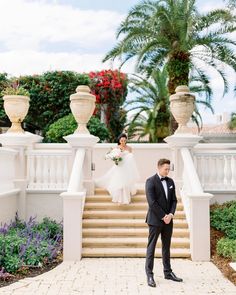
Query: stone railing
{"points": [[216, 169], [73, 206], [196, 203], [48, 167]]}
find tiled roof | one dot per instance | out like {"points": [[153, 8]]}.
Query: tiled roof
{"points": [[213, 129]]}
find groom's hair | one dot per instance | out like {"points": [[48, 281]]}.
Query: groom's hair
{"points": [[162, 162]]}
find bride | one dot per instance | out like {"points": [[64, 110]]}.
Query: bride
{"points": [[120, 180]]}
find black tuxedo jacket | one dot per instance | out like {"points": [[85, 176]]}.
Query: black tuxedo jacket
{"points": [[158, 204]]}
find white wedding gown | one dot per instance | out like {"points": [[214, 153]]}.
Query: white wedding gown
{"points": [[120, 180]]}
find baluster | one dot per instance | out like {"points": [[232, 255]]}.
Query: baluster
{"points": [[201, 169], [219, 173], [45, 184], [227, 172], [198, 165], [213, 174], [38, 176], [59, 172], [31, 171], [233, 169], [206, 172], [52, 171], [65, 172]]}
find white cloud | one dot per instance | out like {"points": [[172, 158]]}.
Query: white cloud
{"points": [[30, 26], [34, 62], [27, 24]]}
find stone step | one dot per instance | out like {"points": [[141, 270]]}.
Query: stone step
{"points": [[128, 232], [131, 252], [129, 242], [107, 198], [123, 214], [114, 206], [101, 191], [125, 223]]}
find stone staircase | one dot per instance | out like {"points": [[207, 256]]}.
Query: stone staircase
{"points": [[112, 230]]}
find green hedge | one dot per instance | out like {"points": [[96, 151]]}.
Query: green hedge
{"points": [[67, 125], [223, 218], [227, 248]]}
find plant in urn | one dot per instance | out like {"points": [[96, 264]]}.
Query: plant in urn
{"points": [[182, 105], [16, 105], [82, 104]]}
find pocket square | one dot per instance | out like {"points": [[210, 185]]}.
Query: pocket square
{"points": [[171, 187]]}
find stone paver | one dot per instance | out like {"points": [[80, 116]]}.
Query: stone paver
{"points": [[123, 276]]}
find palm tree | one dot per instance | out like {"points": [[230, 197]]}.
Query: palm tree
{"points": [[175, 33], [232, 122], [150, 108]]}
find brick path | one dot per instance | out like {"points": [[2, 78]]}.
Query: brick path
{"points": [[118, 276]]}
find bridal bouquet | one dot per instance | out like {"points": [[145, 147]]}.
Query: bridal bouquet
{"points": [[115, 155]]}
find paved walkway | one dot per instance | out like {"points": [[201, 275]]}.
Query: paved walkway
{"points": [[123, 276]]}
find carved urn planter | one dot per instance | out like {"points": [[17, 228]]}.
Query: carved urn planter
{"points": [[16, 108], [82, 104], [182, 105]]}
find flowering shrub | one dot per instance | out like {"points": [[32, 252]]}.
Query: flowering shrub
{"points": [[110, 88], [28, 244]]}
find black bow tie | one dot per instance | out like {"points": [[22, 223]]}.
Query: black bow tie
{"points": [[164, 178]]}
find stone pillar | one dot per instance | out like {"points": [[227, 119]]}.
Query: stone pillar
{"points": [[86, 141], [72, 225], [176, 142], [200, 227], [20, 142]]}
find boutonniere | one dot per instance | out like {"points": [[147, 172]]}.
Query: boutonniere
{"points": [[171, 187]]}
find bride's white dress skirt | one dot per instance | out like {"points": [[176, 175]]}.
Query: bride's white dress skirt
{"points": [[120, 180]]}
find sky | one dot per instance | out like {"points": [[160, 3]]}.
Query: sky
{"points": [[45, 35]]}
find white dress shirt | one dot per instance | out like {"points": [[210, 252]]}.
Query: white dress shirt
{"points": [[164, 185]]}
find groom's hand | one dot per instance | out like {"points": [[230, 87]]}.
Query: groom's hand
{"points": [[167, 218]]}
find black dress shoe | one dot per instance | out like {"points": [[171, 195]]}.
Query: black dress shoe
{"points": [[173, 277], [151, 282]]}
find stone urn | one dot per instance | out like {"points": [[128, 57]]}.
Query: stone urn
{"points": [[82, 105], [16, 108], [182, 105]]}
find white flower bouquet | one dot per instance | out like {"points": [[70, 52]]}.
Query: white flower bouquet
{"points": [[115, 155]]}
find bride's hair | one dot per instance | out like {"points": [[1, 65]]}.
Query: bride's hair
{"points": [[120, 136]]}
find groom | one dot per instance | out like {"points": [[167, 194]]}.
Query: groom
{"points": [[160, 193]]}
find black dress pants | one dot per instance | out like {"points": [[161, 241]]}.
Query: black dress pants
{"points": [[154, 231]]}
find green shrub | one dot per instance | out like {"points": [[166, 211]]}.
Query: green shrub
{"points": [[29, 243], [15, 91], [50, 96], [52, 227], [227, 248], [67, 125], [223, 218]]}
